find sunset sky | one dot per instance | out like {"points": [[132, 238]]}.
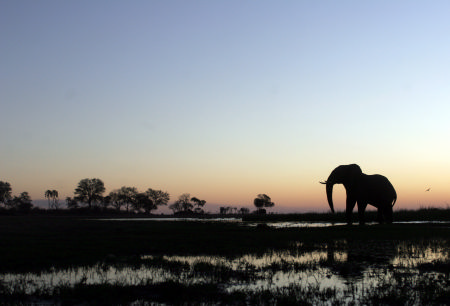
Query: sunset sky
{"points": [[226, 99]]}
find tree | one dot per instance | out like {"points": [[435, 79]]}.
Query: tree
{"points": [[106, 201], [244, 210], [71, 203], [175, 207], [21, 202], [261, 201], [5, 192], [226, 210], [143, 201], [127, 195], [48, 194], [90, 191], [158, 197], [115, 200], [183, 204], [150, 200], [199, 203], [53, 201]]}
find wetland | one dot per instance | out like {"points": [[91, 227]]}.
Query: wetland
{"points": [[75, 260]]}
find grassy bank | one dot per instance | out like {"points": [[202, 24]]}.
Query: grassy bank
{"points": [[423, 214]]}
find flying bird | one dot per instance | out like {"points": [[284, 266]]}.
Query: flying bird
{"points": [[428, 189]]}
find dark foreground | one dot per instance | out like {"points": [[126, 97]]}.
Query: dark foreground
{"points": [[169, 263]]}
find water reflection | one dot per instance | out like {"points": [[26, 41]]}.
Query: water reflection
{"points": [[278, 224], [341, 265], [358, 263]]}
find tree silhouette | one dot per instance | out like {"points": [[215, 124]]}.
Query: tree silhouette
{"points": [[261, 201], [71, 203], [55, 199], [176, 207], [127, 195], [21, 202], [5, 192], [106, 201], [48, 194], [115, 200], [226, 210], [244, 210], [158, 197], [143, 201], [52, 196], [199, 203], [90, 191], [183, 204]]}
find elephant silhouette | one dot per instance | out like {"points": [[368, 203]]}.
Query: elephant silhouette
{"points": [[363, 189]]}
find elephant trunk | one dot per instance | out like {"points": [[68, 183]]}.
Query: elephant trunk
{"points": [[329, 188]]}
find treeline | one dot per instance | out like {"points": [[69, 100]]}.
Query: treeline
{"points": [[89, 196]]}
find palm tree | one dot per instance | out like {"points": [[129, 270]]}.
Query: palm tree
{"points": [[49, 194], [244, 210], [52, 196], [55, 199]]}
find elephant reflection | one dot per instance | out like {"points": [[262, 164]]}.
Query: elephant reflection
{"points": [[349, 259], [362, 189]]}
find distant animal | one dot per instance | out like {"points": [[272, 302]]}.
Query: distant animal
{"points": [[428, 189], [363, 189]]}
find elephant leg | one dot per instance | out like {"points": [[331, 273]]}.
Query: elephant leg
{"points": [[380, 213], [389, 214], [350, 204], [361, 210]]}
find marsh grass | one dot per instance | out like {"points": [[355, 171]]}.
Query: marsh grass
{"points": [[380, 264], [395, 290], [429, 214], [44, 242]]}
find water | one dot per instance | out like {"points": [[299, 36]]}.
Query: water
{"points": [[341, 266], [343, 270], [279, 224]]}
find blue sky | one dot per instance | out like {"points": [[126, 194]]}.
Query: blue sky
{"points": [[225, 99]]}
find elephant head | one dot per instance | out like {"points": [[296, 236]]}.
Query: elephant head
{"points": [[344, 174]]}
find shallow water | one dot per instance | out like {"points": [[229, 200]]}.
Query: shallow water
{"points": [[280, 224], [342, 266]]}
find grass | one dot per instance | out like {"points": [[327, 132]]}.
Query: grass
{"points": [[42, 242], [39, 243], [396, 290], [422, 214]]}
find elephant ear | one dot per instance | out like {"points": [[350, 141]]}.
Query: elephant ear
{"points": [[354, 173]]}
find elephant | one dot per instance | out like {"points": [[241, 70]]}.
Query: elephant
{"points": [[362, 189]]}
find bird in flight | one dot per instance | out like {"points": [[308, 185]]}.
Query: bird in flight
{"points": [[428, 189]]}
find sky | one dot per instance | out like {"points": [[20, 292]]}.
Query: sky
{"points": [[226, 99]]}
